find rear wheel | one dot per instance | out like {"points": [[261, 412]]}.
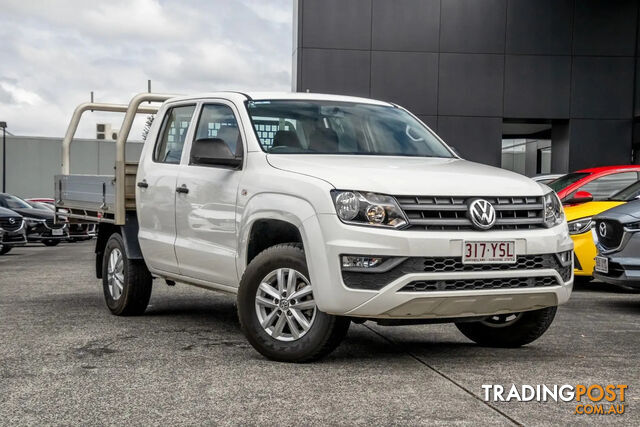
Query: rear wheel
{"points": [[50, 242], [277, 309], [126, 282], [4, 249], [509, 330]]}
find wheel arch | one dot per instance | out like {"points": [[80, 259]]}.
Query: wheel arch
{"points": [[261, 221], [129, 234]]}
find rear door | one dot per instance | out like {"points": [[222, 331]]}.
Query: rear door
{"points": [[206, 243], [156, 188]]}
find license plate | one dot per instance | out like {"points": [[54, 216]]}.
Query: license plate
{"points": [[489, 252], [56, 232], [602, 264]]}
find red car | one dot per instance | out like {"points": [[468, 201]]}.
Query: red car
{"points": [[595, 183]]}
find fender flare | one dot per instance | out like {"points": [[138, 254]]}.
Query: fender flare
{"points": [[290, 209]]}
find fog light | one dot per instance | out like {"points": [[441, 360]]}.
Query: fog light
{"points": [[350, 261], [376, 214]]}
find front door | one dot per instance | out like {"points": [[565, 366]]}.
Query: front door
{"points": [[206, 243], [156, 189]]}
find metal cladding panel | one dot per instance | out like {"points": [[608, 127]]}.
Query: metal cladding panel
{"points": [[537, 86]]}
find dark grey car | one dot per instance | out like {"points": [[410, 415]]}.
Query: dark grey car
{"points": [[616, 233], [12, 230]]}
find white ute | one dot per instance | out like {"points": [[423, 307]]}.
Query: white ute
{"points": [[317, 211]]}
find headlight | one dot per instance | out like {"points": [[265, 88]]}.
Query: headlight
{"points": [[633, 226], [34, 221], [579, 226], [355, 207], [553, 212]]}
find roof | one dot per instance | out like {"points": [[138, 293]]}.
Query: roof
{"points": [[261, 96], [601, 169]]}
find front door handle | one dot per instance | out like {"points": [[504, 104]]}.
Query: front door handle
{"points": [[182, 189], [143, 184]]}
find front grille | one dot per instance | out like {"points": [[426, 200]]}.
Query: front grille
{"points": [[7, 225], [478, 284], [613, 233], [52, 225], [450, 213], [359, 280]]}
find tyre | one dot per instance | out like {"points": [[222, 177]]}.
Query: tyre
{"points": [[50, 242], [277, 311], [4, 249], [126, 283], [509, 330]]}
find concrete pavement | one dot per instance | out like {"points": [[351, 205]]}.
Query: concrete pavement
{"points": [[65, 360]]}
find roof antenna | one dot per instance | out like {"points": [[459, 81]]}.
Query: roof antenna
{"points": [[92, 99], [307, 90], [149, 87]]}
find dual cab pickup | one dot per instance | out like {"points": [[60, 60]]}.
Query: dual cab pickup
{"points": [[318, 211]]}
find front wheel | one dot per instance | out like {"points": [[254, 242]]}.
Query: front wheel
{"points": [[126, 282], [51, 242], [4, 249], [509, 330], [277, 310]]}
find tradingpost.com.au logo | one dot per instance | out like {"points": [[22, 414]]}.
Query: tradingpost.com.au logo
{"points": [[594, 399]]}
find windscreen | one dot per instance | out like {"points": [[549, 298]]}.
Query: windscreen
{"points": [[324, 127], [628, 194], [12, 202], [566, 180]]}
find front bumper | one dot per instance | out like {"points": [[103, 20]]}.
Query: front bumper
{"points": [[326, 239], [39, 232], [624, 263], [13, 238], [585, 251]]}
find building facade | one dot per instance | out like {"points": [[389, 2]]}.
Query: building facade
{"points": [[563, 74], [33, 161]]}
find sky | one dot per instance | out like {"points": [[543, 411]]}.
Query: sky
{"points": [[54, 53]]}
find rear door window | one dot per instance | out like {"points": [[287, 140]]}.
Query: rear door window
{"points": [[173, 134]]}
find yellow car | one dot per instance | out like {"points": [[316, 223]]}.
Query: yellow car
{"points": [[579, 220]]}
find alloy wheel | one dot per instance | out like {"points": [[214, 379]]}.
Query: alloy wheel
{"points": [[284, 304], [502, 320], [115, 274]]}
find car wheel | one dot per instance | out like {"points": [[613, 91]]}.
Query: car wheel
{"points": [[4, 249], [126, 283], [49, 242], [509, 330], [277, 310]]}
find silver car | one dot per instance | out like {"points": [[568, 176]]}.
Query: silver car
{"points": [[616, 233]]}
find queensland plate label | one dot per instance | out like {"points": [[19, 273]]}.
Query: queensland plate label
{"points": [[489, 252]]}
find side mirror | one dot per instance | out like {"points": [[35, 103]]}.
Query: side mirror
{"points": [[580, 197], [213, 152]]}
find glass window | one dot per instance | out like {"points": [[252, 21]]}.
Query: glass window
{"points": [[174, 131], [328, 127], [606, 186], [629, 193], [218, 121], [13, 202], [566, 180]]}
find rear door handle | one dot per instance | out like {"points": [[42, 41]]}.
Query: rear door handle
{"points": [[143, 184], [182, 189]]}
